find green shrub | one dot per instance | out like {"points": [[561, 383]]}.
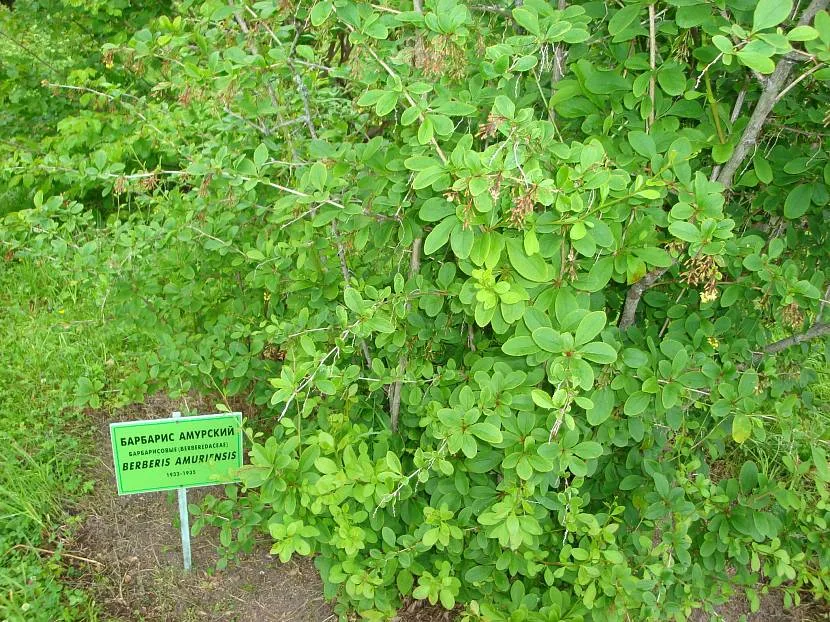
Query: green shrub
{"points": [[525, 294]]}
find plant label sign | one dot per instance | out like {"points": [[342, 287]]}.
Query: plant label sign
{"points": [[180, 452]]}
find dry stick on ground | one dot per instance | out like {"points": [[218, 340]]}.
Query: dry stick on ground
{"points": [[769, 95]]}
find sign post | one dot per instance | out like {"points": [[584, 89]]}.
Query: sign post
{"points": [[177, 453], [184, 518]]}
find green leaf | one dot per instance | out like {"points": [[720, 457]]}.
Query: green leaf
{"points": [[762, 168], [527, 20], [724, 44], [370, 98], [589, 327], [461, 241], [487, 432], [769, 13], [542, 399], [623, 18], [685, 231], [404, 581], [599, 352], [588, 450], [260, 155], [320, 13], [741, 428], [802, 33], [439, 235], [670, 394], [758, 62], [642, 143], [520, 346], [447, 599], [353, 300], [654, 256], [722, 152], [603, 400], [456, 109], [326, 466], [548, 339], [533, 267], [636, 403], [821, 464], [749, 476], [504, 106], [427, 177], [672, 79], [317, 175], [798, 201], [435, 209], [425, 131], [386, 103]]}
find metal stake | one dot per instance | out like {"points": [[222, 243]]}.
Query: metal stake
{"points": [[184, 519]]}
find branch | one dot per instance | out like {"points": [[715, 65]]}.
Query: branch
{"points": [[344, 270], [395, 396], [635, 293], [558, 58], [817, 330], [769, 96], [411, 101], [652, 56]]}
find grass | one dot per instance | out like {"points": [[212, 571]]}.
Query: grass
{"points": [[52, 335]]}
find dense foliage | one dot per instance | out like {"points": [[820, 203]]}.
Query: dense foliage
{"points": [[525, 293]]}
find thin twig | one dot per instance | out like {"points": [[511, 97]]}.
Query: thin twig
{"points": [[334, 351], [766, 102], [411, 101], [792, 84], [61, 553], [652, 58], [395, 396]]}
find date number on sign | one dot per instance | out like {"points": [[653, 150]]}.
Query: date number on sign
{"points": [[180, 473]]}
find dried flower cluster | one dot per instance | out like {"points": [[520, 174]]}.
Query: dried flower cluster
{"points": [[488, 129], [522, 207], [149, 183], [703, 270], [438, 56], [792, 316], [120, 186]]}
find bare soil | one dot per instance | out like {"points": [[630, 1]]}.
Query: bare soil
{"points": [[771, 610], [136, 569]]}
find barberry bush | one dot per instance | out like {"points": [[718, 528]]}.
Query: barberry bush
{"points": [[524, 294]]}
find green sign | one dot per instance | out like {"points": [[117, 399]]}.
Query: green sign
{"points": [[162, 454]]}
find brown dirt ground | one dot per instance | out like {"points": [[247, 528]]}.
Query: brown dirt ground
{"points": [[771, 610], [138, 574], [133, 563]]}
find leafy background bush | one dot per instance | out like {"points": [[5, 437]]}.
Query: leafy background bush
{"points": [[524, 295]]}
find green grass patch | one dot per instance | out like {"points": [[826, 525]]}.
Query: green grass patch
{"points": [[55, 345]]}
